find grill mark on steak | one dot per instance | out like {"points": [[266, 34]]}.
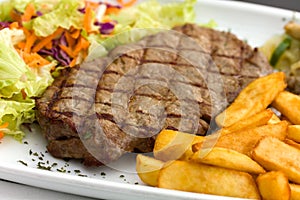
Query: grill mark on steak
{"points": [[101, 87]]}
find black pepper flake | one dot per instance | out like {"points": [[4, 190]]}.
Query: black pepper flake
{"points": [[42, 154], [35, 154], [136, 183], [41, 158], [41, 165], [54, 164], [33, 159], [122, 176], [25, 142], [77, 171], [82, 175], [62, 170], [30, 152], [103, 174], [22, 162]]}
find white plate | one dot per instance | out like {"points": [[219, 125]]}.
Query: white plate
{"points": [[250, 22]]}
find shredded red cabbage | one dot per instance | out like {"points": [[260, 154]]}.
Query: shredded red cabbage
{"points": [[108, 5], [105, 28], [39, 13], [56, 52], [4, 25]]}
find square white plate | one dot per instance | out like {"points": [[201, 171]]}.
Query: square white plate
{"points": [[249, 22]]}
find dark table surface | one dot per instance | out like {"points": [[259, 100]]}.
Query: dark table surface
{"points": [[287, 4]]}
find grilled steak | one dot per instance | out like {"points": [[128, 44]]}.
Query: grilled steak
{"points": [[173, 79]]}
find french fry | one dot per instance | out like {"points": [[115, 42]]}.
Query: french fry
{"points": [[274, 119], [195, 177], [282, 117], [288, 104], [148, 169], [227, 158], [254, 98], [253, 121], [274, 154], [274, 185], [245, 141], [295, 192], [292, 143], [293, 132], [172, 145]]}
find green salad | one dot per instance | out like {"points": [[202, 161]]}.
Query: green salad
{"points": [[38, 38]]}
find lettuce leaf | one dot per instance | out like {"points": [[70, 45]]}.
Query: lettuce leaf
{"points": [[44, 6], [139, 21], [18, 84], [16, 113], [65, 14], [152, 14]]}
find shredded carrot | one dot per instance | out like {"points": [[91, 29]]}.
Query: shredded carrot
{"points": [[21, 45], [93, 5], [75, 34], [24, 95], [70, 40], [73, 62], [28, 13], [49, 45], [126, 4], [29, 42], [88, 16], [112, 10], [14, 25], [26, 32], [67, 50], [5, 125], [47, 39], [82, 44], [16, 16], [33, 59]]}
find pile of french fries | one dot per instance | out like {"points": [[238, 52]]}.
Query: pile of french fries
{"points": [[255, 153]]}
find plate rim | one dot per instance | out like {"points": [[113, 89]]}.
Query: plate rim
{"points": [[12, 172]]}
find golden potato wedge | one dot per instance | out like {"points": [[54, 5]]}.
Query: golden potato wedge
{"points": [[195, 177], [227, 158], [288, 104], [292, 143], [258, 119], [276, 155], [172, 145], [254, 98], [293, 132], [282, 117], [295, 192], [245, 141], [148, 169], [274, 119], [274, 185], [293, 29]]}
